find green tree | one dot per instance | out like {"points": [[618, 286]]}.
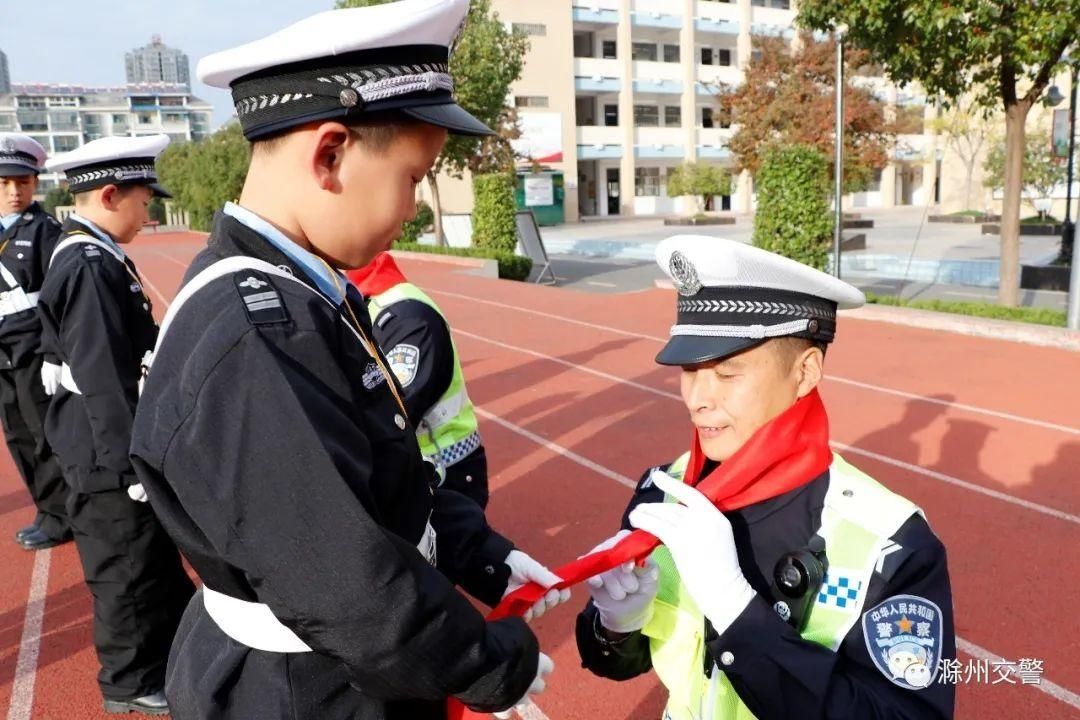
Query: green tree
{"points": [[1000, 52], [699, 179], [966, 129], [793, 217], [494, 221], [58, 196], [788, 97], [486, 61], [203, 176], [1042, 171]]}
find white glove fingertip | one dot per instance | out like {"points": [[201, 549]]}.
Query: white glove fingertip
{"points": [[564, 595], [595, 582]]}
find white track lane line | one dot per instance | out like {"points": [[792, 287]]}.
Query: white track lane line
{"points": [[933, 475], [832, 378], [1050, 688], [22, 689]]}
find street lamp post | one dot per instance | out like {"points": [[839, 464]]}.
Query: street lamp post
{"points": [[1068, 231], [838, 230]]}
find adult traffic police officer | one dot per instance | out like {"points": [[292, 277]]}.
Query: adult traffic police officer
{"points": [[272, 438], [29, 236], [791, 585], [97, 322], [411, 329]]}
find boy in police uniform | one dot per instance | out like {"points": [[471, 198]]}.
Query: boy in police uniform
{"points": [[29, 236], [800, 588], [274, 441], [98, 324], [411, 329]]}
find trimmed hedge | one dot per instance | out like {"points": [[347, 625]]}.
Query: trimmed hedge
{"points": [[793, 217], [1038, 316], [413, 229], [494, 208], [511, 266]]}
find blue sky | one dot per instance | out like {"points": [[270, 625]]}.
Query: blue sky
{"points": [[80, 42]]}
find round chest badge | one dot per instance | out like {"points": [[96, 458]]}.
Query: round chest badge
{"points": [[684, 274]]}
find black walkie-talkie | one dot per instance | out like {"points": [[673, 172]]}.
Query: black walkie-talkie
{"points": [[797, 580]]}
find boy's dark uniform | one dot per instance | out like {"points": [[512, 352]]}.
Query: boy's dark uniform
{"points": [[98, 323], [25, 251], [277, 456]]}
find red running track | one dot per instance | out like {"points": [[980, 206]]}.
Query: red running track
{"points": [[984, 435]]}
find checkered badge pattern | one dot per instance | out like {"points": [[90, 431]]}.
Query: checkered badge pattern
{"points": [[839, 590], [459, 450]]}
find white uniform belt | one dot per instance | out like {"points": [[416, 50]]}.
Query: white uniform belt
{"points": [[17, 300], [67, 381], [253, 624]]}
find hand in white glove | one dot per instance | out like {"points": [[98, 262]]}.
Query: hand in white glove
{"points": [[700, 540], [544, 666], [50, 377], [523, 570], [624, 595], [137, 493]]}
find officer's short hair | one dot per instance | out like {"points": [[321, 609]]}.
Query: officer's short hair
{"points": [[790, 347], [81, 198], [376, 133]]}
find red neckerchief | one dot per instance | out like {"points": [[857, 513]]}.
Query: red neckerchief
{"points": [[377, 276], [786, 453]]}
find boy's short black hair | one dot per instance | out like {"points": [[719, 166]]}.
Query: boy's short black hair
{"points": [[376, 132]]}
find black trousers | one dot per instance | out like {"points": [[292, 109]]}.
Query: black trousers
{"points": [[23, 404], [139, 586]]}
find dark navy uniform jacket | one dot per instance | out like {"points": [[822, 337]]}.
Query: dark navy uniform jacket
{"points": [[777, 674], [276, 456], [27, 247], [418, 324], [97, 319]]}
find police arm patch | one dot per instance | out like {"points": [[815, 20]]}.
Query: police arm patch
{"points": [[404, 361], [904, 636]]}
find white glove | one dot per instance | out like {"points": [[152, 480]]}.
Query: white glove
{"points": [[544, 666], [136, 493], [624, 595], [50, 377], [523, 570], [700, 540]]}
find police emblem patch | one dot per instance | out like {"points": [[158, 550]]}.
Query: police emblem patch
{"points": [[903, 636], [684, 274], [373, 376], [404, 362]]}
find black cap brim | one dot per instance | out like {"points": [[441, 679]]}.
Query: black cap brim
{"points": [[159, 191], [15, 170], [450, 116], [684, 350]]}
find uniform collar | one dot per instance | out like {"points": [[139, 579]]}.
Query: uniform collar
{"points": [[98, 233], [8, 220], [313, 267]]}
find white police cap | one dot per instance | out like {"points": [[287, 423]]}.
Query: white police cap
{"points": [[112, 161], [733, 296], [345, 65], [20, 155]]}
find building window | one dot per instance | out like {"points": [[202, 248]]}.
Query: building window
{"points": [[611, 115], [65, 143], [723, 57], [119, 119], [146, 118], [608, 49], [531, 28], [540, 101], [706, 56], [645, 51], [62, 121], [172, 101], [671, 53], [706, 117], [63, 102], [7, 122], [647, 182], [174, 117], [646, 116], [776, 4], [33, 103], [672, 116]]}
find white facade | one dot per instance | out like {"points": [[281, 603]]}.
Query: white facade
{"points": [[63, 117]]}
